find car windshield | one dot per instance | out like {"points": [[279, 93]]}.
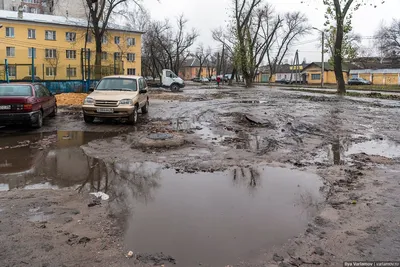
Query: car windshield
{"points": [[117, 84], [15, 90]]}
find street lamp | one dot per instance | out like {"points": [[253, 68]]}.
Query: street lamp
{"points": [[322, 52]]}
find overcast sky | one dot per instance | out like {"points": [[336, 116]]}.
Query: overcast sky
{"points": [[206, 15]]}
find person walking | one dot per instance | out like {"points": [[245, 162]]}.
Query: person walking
{"points": [[218, 80]]}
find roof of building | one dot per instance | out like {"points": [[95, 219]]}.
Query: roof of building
{"points": [[327, 66], [191, 62], [376, 63], [57, 20]]}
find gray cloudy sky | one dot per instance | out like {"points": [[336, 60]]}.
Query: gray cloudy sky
{"points": [[205, 15]]}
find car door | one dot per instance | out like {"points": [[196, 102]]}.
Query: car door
{"points": [[141, 95], [40, 98], [50, 100]]}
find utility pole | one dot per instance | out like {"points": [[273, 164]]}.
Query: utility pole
{"points": [[323, 57]]}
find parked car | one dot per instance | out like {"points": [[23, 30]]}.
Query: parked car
{"points": [[204, 80], [213, 78], [117, 97], [358, 81], [26, 103], [282, 81]]}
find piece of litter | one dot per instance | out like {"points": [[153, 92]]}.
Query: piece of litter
{"points": [[130, 254], [101, 195]]}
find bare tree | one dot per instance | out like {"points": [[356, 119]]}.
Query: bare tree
{"points": [[280, 34], [202, 55], [100, 12], [53, 62], [388, 39], [167, 48]]}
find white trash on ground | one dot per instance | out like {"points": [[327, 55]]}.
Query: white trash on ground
{"points": [[101, 195]]}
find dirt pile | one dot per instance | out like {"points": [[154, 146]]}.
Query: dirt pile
{"points": [[71, 99]]}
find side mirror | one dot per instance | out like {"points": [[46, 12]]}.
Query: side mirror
{"points": [[170, 76], [144, 91], [91, 89]]}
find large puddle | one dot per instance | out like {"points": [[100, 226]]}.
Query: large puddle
{"points": [[215, 219]]}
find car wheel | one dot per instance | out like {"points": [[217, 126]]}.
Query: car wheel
{"points": [[54, 113], [174, 88], [133, 118], [39, 121], [145, 108], [88, 119]]}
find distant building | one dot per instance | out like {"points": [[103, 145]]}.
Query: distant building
{"points": [[70, 8], [190, 69], [312, 73], [378, 71]]}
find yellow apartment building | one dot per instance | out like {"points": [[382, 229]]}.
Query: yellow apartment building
{"points": [[56, 43]]}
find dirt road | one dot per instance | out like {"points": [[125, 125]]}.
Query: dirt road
{"points": [[210, 177]]}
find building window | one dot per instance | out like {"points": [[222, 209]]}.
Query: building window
{"points": [[71, 72], [9, 32], [30, 71], [51, 71], [31, 51], [12, 71], [33, 10], [117, 56], [50, 35], [89, 37], [131, 71], [104, 39], [71, 54], [70, 36], [104, 55], [315, 76], [131, 41], [88, 54], [10, 51], [117, 39], [31, 34], [50, 53], [131, 57]]}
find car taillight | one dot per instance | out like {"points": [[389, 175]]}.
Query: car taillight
{"points": [[28, 107]]}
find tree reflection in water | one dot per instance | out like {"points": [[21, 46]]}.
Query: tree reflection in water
{"points": [[125, 183], [250, 177]]}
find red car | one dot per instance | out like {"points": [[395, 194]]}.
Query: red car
{"points": [[26, 103]]}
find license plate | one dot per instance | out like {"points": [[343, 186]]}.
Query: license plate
{"points": [[8, 107], [105, 110]]}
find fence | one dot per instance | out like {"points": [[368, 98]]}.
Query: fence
{"points": [[59, 78]]}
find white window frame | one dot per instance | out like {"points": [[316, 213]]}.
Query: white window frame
{"points": [[117, 40], [89, 37], [48, 34], [31, 34], [10, 32], [131, 71], [70, 54], [14, 73], [70, 36], [104, 39], [316, 74], [104, 56], [30, 52], [69, 72], [131, 57], [30, 71], [51, 71], [131, 41], [50, 53], [10, 51]]}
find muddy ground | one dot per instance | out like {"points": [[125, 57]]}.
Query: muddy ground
{"points": [[210, 177]]}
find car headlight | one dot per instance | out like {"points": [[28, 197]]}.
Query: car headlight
{"points": [[89, 100], [126, 102]]}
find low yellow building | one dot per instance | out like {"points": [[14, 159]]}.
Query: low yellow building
{"points": [[312, 73], [379, 76], [56, 44]]}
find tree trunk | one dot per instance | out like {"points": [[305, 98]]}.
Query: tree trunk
{"points": [[341, 86], [200, 69], [97, 63], [232, 76]]}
